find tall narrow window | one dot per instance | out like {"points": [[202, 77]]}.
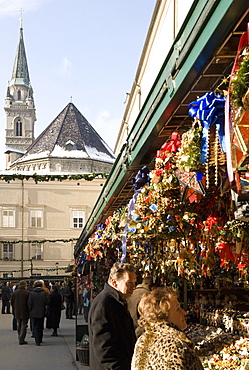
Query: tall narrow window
{"points": [[8, 218], [78, 219], [18, 128], [8, 251], [36, 251], [19, 95], [36, 218]]}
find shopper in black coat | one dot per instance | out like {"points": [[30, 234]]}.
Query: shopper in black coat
{"points": [[54, 310], [37, 302], [69, 299], [19, 303], [6, 295], [111, 332]]}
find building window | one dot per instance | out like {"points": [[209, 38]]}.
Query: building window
{"points": [[36, 218], [36, 251], [8, 251], [8, 218], [7, 275], [18, 128], [19, 97], [78, 218]]}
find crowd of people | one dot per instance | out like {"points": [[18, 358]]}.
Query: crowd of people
{"points": [[38, 305], [130, 327], [138, 328]]}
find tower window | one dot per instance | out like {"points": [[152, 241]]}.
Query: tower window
{"points": [[70, 145], [18, 95], [18, 128]]}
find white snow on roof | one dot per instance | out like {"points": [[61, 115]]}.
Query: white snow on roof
{"points": [[58, 151], [40, 172], [61, 152], [14, 150], [99, 156], [33, 156]]}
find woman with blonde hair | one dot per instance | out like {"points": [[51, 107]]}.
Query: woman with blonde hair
{"points": [[163, 345]]}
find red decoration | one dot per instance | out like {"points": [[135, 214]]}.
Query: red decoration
{"points": [[174, 143]]}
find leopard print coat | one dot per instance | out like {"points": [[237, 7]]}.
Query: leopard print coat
{"points": [[164, 347]]}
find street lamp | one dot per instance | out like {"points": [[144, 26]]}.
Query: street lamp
{"points": [[56, 263]]}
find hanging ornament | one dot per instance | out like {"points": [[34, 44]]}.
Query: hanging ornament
{"points": [[189, 180]]}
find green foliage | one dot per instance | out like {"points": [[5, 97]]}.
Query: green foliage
{"points": [[46, 178], [240, 82]]}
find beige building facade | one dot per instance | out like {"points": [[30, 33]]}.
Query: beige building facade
{"points": [[40, 222]]}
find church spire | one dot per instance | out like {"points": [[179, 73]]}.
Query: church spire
{"points": [[20, 74], [19, 107]]}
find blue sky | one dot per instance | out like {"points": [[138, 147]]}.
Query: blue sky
{"points": [[87, 49]]}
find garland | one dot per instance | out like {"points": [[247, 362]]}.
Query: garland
{"points": [[46, 178], [39, 241], [240, 81], [60, 268], [14, 260]]}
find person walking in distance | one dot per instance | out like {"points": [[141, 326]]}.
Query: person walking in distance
{"points": [[6, 294], [54, 310], [69, 299], [111, 332], [37, 302], [19, 303]]}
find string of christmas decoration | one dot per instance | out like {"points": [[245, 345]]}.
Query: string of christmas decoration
{"points": [[59, 268], [46, 178], [14, 260], [39, 241]]}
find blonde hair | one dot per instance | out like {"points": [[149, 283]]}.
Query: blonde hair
{"points": [[154, 306]]}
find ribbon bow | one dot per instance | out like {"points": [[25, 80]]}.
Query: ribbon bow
{"points": [[210, 109], [170, 146], [141, 178]]}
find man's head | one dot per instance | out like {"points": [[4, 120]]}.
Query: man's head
{"points": [[23, 284], [38, 283], [148, 280], [123, 278]]}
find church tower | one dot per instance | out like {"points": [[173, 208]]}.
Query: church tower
{"points": [[19, 107]]}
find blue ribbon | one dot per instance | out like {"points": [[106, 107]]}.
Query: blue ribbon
{"points": [[210, 109], [140, 180], [124, 238]]}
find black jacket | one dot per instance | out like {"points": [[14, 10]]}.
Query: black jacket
{"points": [[19, 303], [37, 302], [54, 312], [111, 332], [6, 293]]}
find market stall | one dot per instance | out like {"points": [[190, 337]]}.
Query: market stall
{"points": [[186, 223]]}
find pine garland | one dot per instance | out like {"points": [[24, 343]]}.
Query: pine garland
{"points": [[39, 241], [39, 269], [47, 178], [240, 82]]}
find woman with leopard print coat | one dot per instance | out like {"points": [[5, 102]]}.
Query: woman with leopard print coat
{"points": [[163, 345]]}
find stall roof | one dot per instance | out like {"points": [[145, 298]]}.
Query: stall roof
{"points": [[208, 42]]}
